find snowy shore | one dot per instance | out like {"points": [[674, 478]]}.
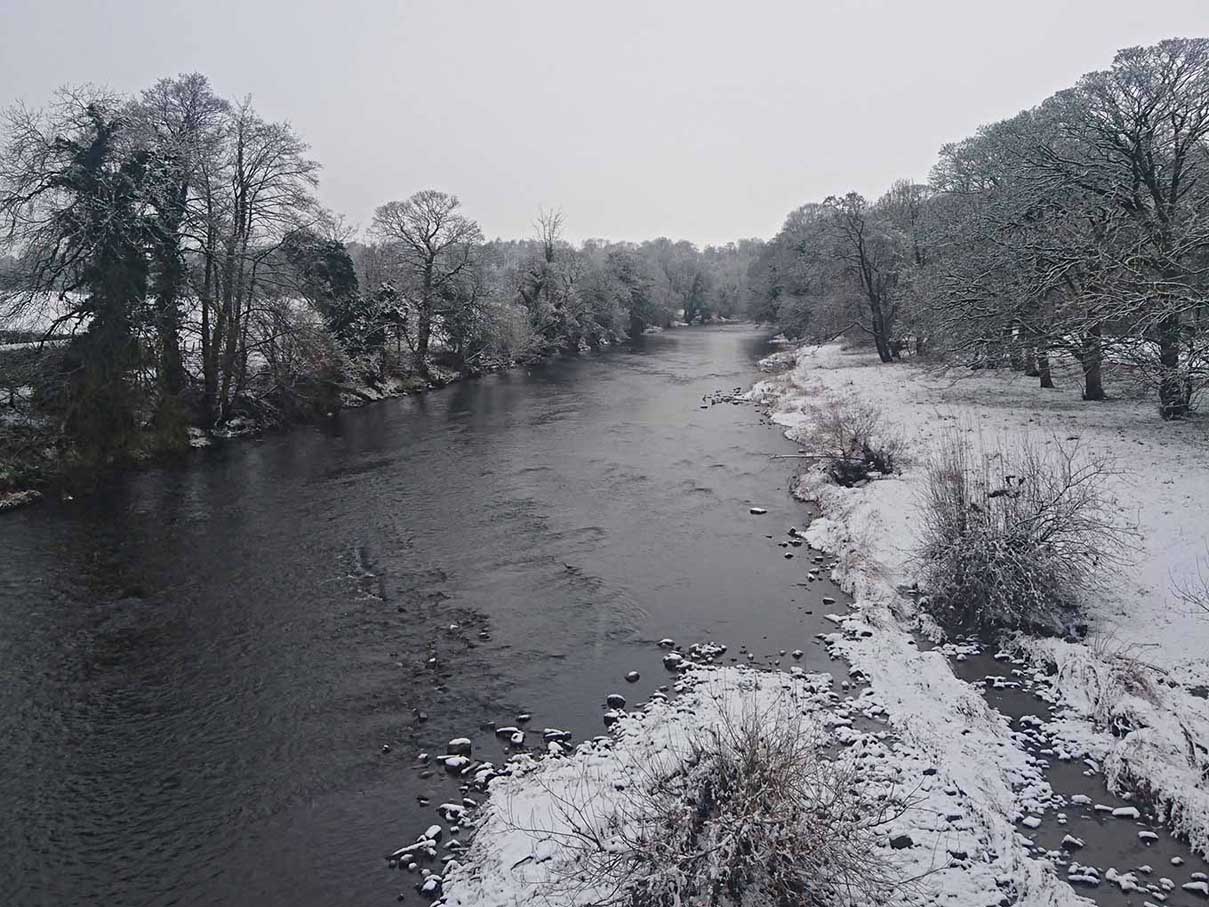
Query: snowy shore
{"points": [[1133, 692], [529, 842]]}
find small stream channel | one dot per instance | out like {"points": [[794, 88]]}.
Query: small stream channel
{"points": [[1147, 861]]}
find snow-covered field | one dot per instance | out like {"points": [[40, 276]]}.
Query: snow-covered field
{"points": [[1145, 662]]}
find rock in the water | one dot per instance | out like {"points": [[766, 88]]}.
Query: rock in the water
{"points": [[758, 511], [615, 701], [458, 746], [633, 676]]}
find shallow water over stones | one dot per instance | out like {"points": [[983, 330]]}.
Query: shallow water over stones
{"points": [[1114, 860]]}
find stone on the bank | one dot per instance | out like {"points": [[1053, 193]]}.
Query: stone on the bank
{"points": [[431, 886]]}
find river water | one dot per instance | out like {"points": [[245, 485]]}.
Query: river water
{"points": [[201, 663]]}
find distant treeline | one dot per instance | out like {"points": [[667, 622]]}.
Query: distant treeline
{"points": [[176, 237], [1079, 227]]}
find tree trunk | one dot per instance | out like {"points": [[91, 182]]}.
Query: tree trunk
{"points": [[636, 326], [1093, 361], [171, 364], [423, 333], [1030, 361], [167, 294], [1043, 371], [880, 340], [1015, 354], [1172, 402], [209, 341]]}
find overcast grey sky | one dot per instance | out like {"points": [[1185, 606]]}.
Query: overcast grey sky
{"points": [[698, 120]]}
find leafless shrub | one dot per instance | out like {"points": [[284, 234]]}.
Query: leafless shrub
{"points": [[853, 436], [1194, 591], [1013, 538], [753, 813]]}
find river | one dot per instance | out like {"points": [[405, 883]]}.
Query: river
{"points": [[203, 662]]}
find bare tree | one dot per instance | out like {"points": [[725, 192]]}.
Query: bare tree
{"points": [[253, 196], [180, 121], [434, 246], [873, 260]]}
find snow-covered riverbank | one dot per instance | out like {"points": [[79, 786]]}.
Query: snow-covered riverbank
{"points": [[1133, 693], [954, 843]]}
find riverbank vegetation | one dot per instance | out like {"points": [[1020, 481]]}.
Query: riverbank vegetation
{"points": [[167, 267], [1077, 229], [1017, 537]]}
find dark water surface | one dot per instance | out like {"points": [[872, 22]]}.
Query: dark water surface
{"points": [[200, 665]]}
